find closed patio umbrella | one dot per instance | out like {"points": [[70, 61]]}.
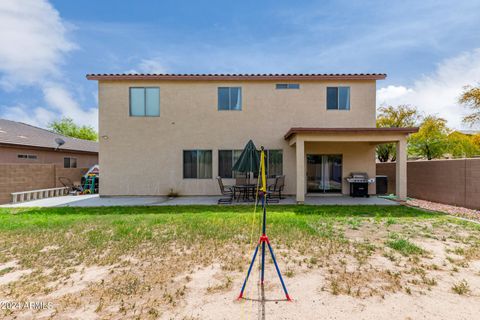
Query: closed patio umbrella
{"points": [[249, 160]]}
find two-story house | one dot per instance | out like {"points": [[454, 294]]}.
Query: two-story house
{"points": [[178, 132]]}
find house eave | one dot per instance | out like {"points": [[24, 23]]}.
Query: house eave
{"points": [[237, 77]]}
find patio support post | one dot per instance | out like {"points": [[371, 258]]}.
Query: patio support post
{"points": [[300, 155], [401, 169]]}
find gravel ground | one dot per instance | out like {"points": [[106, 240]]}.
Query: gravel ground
{"points": [[453, 210]]}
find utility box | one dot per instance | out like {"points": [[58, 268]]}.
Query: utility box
{"points": [[382, 184]]}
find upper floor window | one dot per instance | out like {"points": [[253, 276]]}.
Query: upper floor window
{"points": [[69, 162], [287, 86], [338, 98], [229, 98], [226, 160], [197, 164], [145, 102]]}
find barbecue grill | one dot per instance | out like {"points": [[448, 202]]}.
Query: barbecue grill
{"points": [[359, 182]]}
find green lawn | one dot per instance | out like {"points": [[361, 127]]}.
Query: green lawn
{"points": [[145, 247]]}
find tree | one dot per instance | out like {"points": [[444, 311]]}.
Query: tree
{"points": [[476, 139], [462, 145], [471, 98], [394, 117], [68, 128], [431, 140]]}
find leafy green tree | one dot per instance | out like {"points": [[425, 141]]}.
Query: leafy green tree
{"points": [[471, 98], [68, 128], [431, 141], [394, 117], [476, 139], [462, 145]]}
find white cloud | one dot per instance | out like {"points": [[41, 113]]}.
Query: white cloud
{"points": [[39, 117], [32, 41], [33, 44], [438, 92], [65, 105], [149, 66], [392, 92]]}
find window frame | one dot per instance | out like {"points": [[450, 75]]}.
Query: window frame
{"points": [[70, 163], [268, 163], [197, 164], [232, 154], [229, 98], [288, 86], [338, 99], [145, 102]]}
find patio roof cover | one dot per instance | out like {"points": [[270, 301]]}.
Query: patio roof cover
{"points": [[300, 130]]}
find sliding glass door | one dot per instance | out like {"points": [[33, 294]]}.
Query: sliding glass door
{"points": [[324, 173]]}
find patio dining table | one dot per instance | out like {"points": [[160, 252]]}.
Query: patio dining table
{"points": [[244, 191]]}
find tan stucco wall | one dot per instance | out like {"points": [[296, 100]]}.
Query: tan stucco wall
{"points": [[143, 156], [10, 155]]}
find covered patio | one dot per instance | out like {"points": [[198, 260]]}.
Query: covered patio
{"points": [[356, 149]]}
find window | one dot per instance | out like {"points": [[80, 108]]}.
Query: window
{"points": [[69, 162], [287, 86], [226, 160], [229, 98], [197, 164], [144, 102], [27, 156], [338, 98], [274, 162]]}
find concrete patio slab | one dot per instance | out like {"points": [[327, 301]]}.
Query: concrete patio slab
{"points": [[96, 201]]}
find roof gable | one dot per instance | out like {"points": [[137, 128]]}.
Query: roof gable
{"points": [[22, 134]]}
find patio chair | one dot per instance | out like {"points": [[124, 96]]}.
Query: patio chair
{"points": [[239, 181], [275, 190], [72, 188], [226, 191]]}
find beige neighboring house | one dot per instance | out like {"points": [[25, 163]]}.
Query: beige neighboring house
{"points": [[178, 132], [21, 143]]}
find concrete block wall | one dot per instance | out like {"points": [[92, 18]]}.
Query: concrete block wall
{"points": [[25, 177], [455, 182]]}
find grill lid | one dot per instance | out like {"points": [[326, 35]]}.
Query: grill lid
{"points": [[359, 177]]}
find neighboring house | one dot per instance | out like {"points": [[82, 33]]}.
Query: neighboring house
{"points": [[21, 143], [171, 132]]}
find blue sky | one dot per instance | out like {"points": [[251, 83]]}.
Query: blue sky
{"points": [[429, 49]]}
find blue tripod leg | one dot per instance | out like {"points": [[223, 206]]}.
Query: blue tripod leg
{"points": [[278, 271], [263, 262], [248, 272]]}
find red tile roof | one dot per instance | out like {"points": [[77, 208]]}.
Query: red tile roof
{"points": [[294, 131], [22, 134], [238, 77]]}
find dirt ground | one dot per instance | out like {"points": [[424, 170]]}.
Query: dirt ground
{"points": [[362, 268], [370, 291]]}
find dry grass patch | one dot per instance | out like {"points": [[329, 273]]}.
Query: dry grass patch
{"points": [[153, 262]]}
